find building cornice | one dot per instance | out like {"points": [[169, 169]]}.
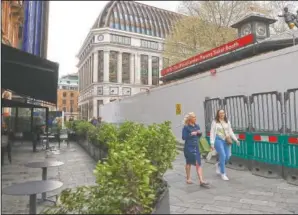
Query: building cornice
{"points": [[94, 32]]}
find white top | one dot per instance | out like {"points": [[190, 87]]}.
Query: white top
{"points": [[221, 130]]}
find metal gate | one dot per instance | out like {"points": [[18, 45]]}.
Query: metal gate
{"points": [[267, 126], [266, 111], [211, 106], [291, 139]]}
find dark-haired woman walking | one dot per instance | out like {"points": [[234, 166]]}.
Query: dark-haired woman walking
{"points": [[221, 138]]}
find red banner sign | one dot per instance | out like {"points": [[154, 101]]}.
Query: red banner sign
{"points": [[231, 46]]}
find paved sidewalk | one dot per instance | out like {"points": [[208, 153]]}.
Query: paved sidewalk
{"points": [[243, 194], [77, 170]]}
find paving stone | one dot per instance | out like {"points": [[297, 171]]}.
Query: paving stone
{"points": [[243, 211], [196, 211], [259, 193], [257, 202], [18, 173], [215, 208], [243, 194]]}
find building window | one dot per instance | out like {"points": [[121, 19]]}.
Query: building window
{"points": [[120, 39], [155, 70], [71, 94], [166, 62], [144, 69], [64, 109], [100, 66], [64, 102], [64, 94], [71, 102], [149, 44], [64, 87], [113, 66], [126, 68]]}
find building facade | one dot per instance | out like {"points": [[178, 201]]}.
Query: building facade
{"points": [[12, 13], [12, 17], [68, 94], [122, 54], [24, 26]]}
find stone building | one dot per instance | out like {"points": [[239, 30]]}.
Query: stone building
{"points": [[122, 54], [67, 95]]}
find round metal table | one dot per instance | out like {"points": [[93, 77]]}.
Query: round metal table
{"points": [[32, 188], [47, 138], [44, 166]]}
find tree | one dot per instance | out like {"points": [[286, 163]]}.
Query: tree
{"points": [[207, 24], [191, 35]]}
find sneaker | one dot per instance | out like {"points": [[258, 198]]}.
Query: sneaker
{"points": [[224, 177], [217, 169]]}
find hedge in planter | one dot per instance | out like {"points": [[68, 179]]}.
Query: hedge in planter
{"points": [[130, 181]]}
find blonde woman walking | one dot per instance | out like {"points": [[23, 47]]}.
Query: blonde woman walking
{"points": [[221, 137], [190, 134]]}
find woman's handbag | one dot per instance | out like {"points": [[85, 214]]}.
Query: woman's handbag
{"points": [[228, 139]]}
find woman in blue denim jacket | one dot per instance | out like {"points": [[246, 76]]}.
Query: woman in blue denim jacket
{"points": [[191, 133]]}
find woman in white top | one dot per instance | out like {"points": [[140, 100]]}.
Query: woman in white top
{"points": [[220, 132]]}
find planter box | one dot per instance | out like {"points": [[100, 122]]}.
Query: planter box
{"points": [[163, 204]]}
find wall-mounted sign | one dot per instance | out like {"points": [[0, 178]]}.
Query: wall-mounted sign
{"points": [[178, 109], [231, 46]]}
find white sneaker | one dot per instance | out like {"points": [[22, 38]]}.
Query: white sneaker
{"points": [[224, 177], [217, 169]]}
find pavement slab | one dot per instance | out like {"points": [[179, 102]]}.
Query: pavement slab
{"points": [[244, 193], [76, 171]]}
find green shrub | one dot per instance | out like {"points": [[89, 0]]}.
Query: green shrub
{"points": [[106, 133], [81, 127], [130, 180]]}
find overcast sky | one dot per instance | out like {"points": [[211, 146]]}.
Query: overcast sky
{"points": [[69, 24]]}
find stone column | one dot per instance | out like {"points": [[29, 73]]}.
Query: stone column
{"points": [[137, 69], [95, 67], [132, 68], [160, 67], [150, 70], [95, 107], [119, 68], [106, 66]]}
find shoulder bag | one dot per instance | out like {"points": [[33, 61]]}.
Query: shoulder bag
{"points": [[228, 139]]}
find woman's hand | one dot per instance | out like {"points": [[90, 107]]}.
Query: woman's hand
{"points": [[194, 133], [237, 142], [199, 132]]}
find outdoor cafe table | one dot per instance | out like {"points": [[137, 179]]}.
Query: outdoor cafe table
{"points": [[47, 138], [32, 188], [44, 166]]}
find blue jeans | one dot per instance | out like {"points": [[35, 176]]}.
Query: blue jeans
{"points": [[223, 150]]}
